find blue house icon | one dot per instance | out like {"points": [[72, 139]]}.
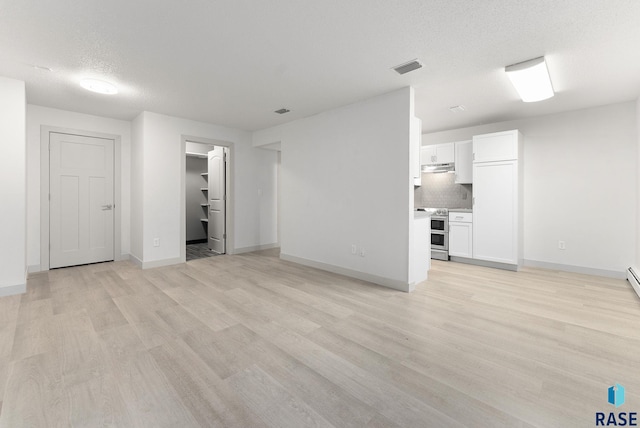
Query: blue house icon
{"points": [[616, 395]]}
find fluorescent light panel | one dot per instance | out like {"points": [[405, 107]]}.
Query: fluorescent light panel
{"points": [[531, 79]]}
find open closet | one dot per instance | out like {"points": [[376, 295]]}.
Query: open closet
{"points": [[197, 187], [205, 200]]}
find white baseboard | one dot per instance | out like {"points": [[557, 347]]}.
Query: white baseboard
{"points": [[10, 290], [34, 269], [632, 277], [159, 263], [476, 262], [576, 269], [255, 248], [136, 261], [124, 257], [385, 282]]}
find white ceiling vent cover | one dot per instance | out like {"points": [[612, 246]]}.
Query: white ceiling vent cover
{"points": [[408, 66], [457, 109]]}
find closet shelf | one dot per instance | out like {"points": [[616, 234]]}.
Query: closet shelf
{"points": [[204, 220], [204, 189], [196, 155], [204, 174], [204, 205]]}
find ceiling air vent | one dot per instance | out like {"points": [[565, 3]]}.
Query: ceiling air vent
{"points": [[407, 67], [282, 111], [457, 109]]}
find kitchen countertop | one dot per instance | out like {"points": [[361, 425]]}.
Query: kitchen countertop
{"points": [[460, 210], [421, 214]]}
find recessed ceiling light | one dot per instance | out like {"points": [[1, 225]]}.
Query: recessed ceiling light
{"points": [[282, 111], [457, 109], [531, 79], [99, 86]]}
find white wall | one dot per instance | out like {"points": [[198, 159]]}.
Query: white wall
{"points": [[580, 186], [137, 187], [636, 265], [345, 180], [37, 117], [157, 139], [13, 177], [266, 176]]}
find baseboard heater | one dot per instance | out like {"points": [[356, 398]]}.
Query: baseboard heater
{"points": [[632, 277]]}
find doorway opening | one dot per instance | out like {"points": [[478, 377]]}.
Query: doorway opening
{"points": [[206, 188]]}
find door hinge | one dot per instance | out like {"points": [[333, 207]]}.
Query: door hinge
{"points": [[49, 196], [473, 200], [473, 156], [224, 236]]}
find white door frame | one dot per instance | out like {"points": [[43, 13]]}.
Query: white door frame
{"points": [[45, 132], [230, 187]]}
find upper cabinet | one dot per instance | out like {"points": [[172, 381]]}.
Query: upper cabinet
{"points": [[464, 162], [437, 154], [498, 146]]}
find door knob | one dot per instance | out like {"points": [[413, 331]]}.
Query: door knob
{"points": [[107, 207]]}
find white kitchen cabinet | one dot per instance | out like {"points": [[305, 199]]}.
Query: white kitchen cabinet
{"points": [[437, 154], [427, 155], [497, 146], [415, 140], [464, 162], [460, 234], [497, 195]]}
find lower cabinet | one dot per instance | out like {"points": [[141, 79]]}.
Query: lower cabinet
{"points": [[460, 235]]}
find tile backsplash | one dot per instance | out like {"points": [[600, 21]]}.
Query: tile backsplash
{"points": [[440, 191]]}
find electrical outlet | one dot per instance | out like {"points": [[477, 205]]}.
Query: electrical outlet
{"points": [[362, 252], [354, 249], [156, 242], [561, 245]]}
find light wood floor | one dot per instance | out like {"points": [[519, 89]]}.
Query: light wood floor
{"points": [[252, 341]]}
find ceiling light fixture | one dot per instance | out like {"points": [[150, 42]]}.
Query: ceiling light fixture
{"points": [[99, 86], [531, 79], [282, 111], [457, 109]]}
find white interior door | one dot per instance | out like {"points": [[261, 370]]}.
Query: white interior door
{"points": [[81, 200], [217, 200]]}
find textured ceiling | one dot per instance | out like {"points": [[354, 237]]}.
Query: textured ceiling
{"points": [[234, 62]]}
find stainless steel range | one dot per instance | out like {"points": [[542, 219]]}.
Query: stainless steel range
{"points": [[439, 232]]}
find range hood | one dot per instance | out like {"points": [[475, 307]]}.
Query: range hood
{"points": [[438, 168]]}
